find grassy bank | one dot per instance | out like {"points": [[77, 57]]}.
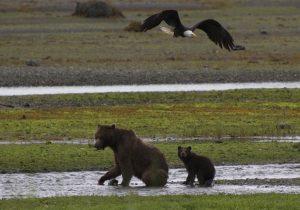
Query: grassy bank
{"points": [[178, 202], [276, 96], [232, 113], [53, 157]]}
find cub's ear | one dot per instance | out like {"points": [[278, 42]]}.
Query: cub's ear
{"points": [[113, 126], [179, 148], [189, 148]]}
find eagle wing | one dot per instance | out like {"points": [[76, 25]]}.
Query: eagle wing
{"points": [[216, 33], [171, 17]]}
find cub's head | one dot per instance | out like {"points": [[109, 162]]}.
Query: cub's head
{"points": [[184, 152], [104, 136]]}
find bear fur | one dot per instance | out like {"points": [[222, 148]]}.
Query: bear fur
{"points": [[132, 156], [197, 165]]}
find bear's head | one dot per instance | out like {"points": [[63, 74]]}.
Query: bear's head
{"points": [[104, 136], [184, 152]]}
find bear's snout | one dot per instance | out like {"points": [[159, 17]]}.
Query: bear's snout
{"points": [[99, 144], [183, 154]]}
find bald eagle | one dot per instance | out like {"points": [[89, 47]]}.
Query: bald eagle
{"points": [[212, 28]]}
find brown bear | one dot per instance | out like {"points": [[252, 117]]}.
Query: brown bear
{"points": [[132, 156], [197, 165]]}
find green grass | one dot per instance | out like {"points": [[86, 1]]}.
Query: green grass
{"points": [[178, 202], [232, 113], [280, 96], [53, 157]]}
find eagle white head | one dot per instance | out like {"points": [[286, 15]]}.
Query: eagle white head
{"points": [[189, 33]]}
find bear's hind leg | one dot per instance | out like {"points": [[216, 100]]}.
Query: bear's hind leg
{"points": [[155, 178], [204, 182], [209, 183]]}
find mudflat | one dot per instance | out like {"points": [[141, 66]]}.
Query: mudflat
{"points": [[62, 49]]}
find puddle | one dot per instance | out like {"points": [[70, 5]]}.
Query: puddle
{"points": [[17, 91], [85, 183], [269, 171], [291, 139]]}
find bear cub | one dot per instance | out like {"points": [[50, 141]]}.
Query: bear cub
{"points": [[197, 165]]}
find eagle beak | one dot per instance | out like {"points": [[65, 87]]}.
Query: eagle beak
{"points": [[193, 34]]}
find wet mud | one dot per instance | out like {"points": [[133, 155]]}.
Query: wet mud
{"points": [[51, 76]]}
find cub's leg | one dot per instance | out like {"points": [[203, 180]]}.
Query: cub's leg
{"points": [[200, 179], [204, 182], [190, 178]]}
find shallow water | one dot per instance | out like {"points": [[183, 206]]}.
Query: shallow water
{"points": [[85, 183], [11, 91], [292, 139], [284, 139]]}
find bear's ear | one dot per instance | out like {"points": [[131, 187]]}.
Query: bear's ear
{"points": [[113, 126], [179, 148], [99, 126], [189, 148]]}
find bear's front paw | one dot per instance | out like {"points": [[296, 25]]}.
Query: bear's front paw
{"points": [[101, 181]]}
